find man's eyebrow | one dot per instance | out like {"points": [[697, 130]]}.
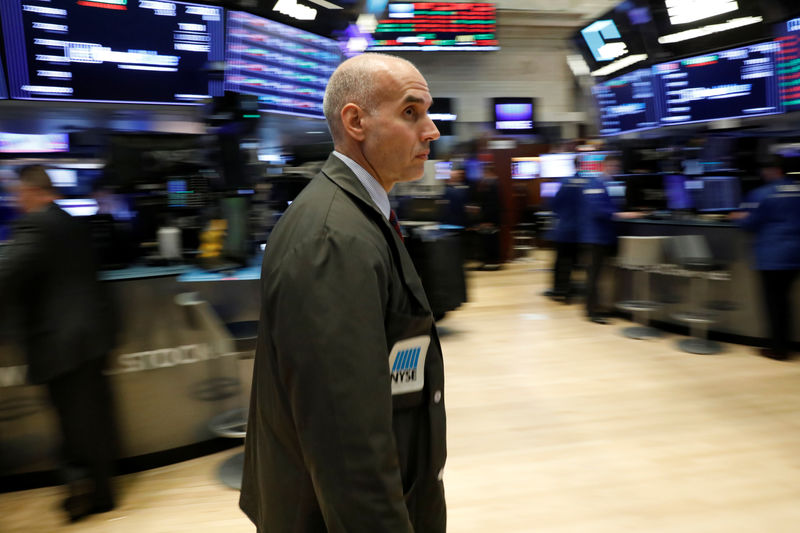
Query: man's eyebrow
{"points": [[410, 99]]}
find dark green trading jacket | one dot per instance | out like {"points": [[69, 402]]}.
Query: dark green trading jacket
{"points": [[329, 447]]}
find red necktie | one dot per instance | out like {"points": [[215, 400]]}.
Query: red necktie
{"points": [[395, 224]]}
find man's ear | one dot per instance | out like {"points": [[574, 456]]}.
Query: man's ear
{"points": [[353, 121]]}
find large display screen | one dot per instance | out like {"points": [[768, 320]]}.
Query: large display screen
{"points": [[788, 64], [430, 26], [140, 51], [627, 103], [734, 83], [33, 143], [288, 69]]}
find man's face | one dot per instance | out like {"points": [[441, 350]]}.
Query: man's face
{"points": [[27, 197], [398, 133]]}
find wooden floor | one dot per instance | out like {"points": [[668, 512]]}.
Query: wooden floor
{"points": [[555, 424]]}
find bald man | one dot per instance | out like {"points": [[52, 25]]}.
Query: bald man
{"points": [[346, 431]]}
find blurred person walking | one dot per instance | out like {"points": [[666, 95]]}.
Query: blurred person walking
{"points": [[66, 328], [773, 214]]}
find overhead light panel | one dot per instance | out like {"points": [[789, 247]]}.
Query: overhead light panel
{"points": [[709, 30], [686, 11]]}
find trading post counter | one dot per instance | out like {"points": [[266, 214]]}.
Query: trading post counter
{"points": [[175, 367], [736, 293]]}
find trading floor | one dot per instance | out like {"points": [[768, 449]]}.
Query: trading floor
{"points": [[555, 425]]}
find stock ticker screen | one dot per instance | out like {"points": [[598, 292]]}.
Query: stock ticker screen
{"points": [[430, 26], [627, 103], [741, 82], [788, 64], [144, 51], [287, 68]]}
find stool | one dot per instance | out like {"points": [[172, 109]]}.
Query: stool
{"points": [[642, 255], [235, 339], [696, 262]]}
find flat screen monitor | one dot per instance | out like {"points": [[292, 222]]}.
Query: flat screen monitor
{"points": [[548, 189], [613, 43], [718, 193], [557, 165], [33, 143], [645, 191], [734, 83], [78, 207], [63, 177], [590, 164], [788, 64], [112, 51], [287, 68], [525, 168], [678, 197], [442, 170], [513, 115], [436, 26], [627, 103]]}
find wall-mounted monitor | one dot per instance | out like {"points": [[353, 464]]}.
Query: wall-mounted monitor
{"points": [[525, 168], [736, 83], [436, 26], [513, 115], [112, 51], [33, 143], [287, 68], [557, 165], [627, 103]]}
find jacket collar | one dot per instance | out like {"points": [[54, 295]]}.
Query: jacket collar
{"points": [[338, 172]]}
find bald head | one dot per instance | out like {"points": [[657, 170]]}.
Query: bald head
{"points": [[358, 81]]}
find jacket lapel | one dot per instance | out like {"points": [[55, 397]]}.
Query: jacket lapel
{"points": [[339, 173]]}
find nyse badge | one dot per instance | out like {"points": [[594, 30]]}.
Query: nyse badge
{"points": [[407, 364]]}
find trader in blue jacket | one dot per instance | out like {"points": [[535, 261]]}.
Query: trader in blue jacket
{"points": [[773, 214], [598, 232], [566, 206]]}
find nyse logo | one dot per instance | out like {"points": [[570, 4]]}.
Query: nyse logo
{"points": [[597, 36], [407, 364]]}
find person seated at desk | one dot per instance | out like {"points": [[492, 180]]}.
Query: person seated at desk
{"points": [[773, 214]]}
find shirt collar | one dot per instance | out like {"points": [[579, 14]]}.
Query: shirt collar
{"points": [[374, 189]]}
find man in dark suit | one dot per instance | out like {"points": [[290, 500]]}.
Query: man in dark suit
{"points": [[66, 331], [347, 424]]}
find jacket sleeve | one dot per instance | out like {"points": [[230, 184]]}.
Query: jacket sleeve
{"points": [[755, 212], [22, 257], [332, 358]]}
